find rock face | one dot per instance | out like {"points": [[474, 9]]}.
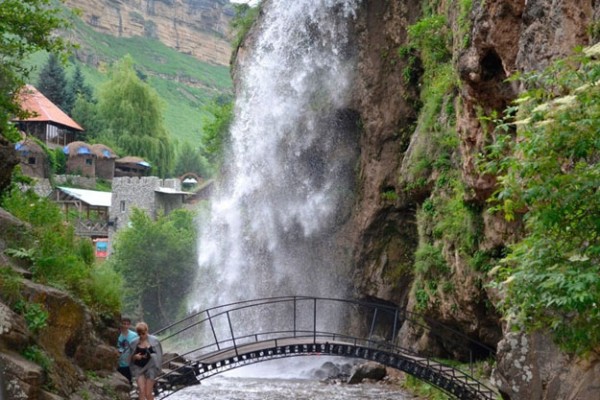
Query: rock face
{"points": [[532, 367], [503, 37], [195, 27]]}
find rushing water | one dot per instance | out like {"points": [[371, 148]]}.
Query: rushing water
{"points": [[285, 380], [288, 184], [275, 224]]}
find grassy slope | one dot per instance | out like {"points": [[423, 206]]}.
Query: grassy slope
{"points": [[166, 71]]}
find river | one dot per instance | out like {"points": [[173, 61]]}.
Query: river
{"points": [[288, 379]]}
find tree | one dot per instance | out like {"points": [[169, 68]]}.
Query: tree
{"points": [[77, 88], [189, 159], [53, 83], [156, 259], [132, 112], [25, 28], [216, 132]]}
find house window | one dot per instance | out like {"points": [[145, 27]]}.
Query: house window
{"points": [[31, 161], [88, 161], [122, 205]]}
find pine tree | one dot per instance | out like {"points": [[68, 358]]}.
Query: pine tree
{"points": [[76, 88], [53, 82]]}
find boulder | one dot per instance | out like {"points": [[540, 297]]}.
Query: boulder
{"points": [[369, 370], [13, 331]]}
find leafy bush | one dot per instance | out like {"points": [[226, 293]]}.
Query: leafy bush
{"points": [[59, 258], [38, 356], [10, 285], [35, 315], [550, 174], [244, 18]]}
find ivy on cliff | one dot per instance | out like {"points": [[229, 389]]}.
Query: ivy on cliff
{"points": [[549, 173]]}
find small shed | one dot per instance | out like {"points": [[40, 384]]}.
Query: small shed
{"points": [[46, 121], [92, 207], [168, 199], [131, 166], [32, 159], [105, 161], [81, 160]]}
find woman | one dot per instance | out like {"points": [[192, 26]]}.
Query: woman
{"points": [[145, 361]]}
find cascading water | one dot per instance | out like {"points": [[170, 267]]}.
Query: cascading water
{"points": [[275, 223]]}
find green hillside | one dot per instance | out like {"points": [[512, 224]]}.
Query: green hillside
{"points": [[185, 83]]}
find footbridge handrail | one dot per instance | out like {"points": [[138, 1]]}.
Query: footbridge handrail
{"points": [[229, 336]]}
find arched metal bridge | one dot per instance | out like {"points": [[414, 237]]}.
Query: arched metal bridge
{"points": [[234, 335]]}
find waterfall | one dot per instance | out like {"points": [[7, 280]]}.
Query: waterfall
{"points": [[275, 223]]}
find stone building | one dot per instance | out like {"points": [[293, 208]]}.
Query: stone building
{"points": [[150, 193], [33, 159], [81, 159], [105, 161]]}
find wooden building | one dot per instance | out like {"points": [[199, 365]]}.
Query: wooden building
{"points": [[46, 121], [131, 166]]}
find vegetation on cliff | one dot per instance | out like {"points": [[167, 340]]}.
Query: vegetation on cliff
{"points": [[546, 154], [56, 257]]}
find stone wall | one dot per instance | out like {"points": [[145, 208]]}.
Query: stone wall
{"points": [[135, 192]]}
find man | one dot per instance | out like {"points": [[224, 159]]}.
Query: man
{"points": [[125, 338]]}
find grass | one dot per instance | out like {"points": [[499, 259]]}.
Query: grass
{"points": [[185, 83]]}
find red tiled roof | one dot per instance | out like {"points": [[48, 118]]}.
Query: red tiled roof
{"points": [[43, 110]]}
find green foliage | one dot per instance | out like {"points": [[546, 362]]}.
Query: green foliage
{"points": [[37, 355], [105, 291], [216, 132], [156, 259], [132, 113], [423, 389], [430, 262], [59, 258], [10, 285], [25, 27], [550, 174], [389, 195], [184, 83], [36, 317], [58, 160], [76, 88], [431, 36], [53, 83], [244, 18], [190, 159]]}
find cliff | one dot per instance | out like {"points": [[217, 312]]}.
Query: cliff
{"points": [[423, 233], [195, 27], [51, 345], [428, 74]]}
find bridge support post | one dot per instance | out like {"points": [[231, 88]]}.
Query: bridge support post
{"points": [[315, 320], [213, 329], [232, 335]]}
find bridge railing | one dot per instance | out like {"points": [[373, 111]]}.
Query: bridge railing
{"points": [[242, 322]]}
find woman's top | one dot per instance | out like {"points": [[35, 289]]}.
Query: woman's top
{"points": [[145, 352], [154, 359]]}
